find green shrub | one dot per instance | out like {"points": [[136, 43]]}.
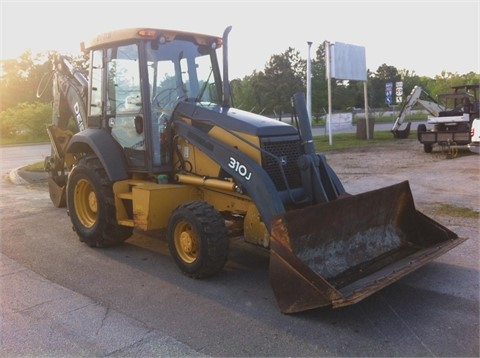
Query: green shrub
{"points": [[26, 122]]}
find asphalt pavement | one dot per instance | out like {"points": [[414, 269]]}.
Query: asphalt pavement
{"points": [[40, 318]]}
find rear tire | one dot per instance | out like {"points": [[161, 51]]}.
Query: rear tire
{"points": [[427, 148], [421, 129], [197, 239], [91, 205]]}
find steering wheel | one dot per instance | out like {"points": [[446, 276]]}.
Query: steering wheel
{"points": [[165, 98]]}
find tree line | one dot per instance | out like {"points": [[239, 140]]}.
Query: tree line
{"points": [[24, 116], [268, 91]]}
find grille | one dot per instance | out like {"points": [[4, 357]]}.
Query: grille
{"points": [[284, 155]]}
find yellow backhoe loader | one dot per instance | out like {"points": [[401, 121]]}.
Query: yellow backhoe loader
{"points": [[159, 147]]}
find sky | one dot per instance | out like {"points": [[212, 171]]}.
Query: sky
{"points": [[426, 37]]}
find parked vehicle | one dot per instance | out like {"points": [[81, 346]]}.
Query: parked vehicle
{"points": [[474, 145]]}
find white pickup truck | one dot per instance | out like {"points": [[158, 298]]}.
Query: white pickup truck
{"points": [[474, 145]]}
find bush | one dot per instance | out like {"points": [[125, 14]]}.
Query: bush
{"points": [[26, 122]]}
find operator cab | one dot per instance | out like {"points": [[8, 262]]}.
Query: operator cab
{"points": [[137, 79]]}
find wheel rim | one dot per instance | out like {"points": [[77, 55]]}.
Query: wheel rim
{"points": [[186, 242], [85, 202]]}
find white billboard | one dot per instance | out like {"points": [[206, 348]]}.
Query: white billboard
{"points": [[348, 62]]}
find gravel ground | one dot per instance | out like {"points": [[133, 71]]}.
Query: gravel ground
{"points": [[436, 179]]}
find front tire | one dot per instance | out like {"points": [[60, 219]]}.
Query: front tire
{"points": [[197, 239], [91, 207]]}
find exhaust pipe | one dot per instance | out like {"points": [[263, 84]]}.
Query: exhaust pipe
{"points": [[226, 80]]}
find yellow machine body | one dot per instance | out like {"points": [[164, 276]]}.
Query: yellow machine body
{"points": [[159, 147]]}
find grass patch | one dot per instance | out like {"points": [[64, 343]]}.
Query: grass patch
{"points": [[341, 141], [391, 118], [415, 117], [455, 211], [349, 141], [35, 167], [7, 142]]}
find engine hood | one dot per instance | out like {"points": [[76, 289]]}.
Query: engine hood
{"points": [[207, 114]]}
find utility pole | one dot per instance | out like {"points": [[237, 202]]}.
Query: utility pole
{"points": [[329, 90], [309, 84]]}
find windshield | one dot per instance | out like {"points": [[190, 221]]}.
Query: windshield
{"points": [[178, 70]]}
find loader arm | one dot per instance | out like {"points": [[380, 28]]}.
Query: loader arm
{"points": [[320, 184], [256, 183], [319, 180]]}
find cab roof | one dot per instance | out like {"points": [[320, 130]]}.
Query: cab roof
{"points": [[129, 34]]}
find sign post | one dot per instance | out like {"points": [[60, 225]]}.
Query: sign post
{"points": [[399, 92], [389, 93], [345, 62], [309, 83], [329, 90]]}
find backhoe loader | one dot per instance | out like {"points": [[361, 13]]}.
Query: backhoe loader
{"points": [[160, 148]]}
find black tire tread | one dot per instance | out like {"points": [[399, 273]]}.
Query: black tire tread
{"points": [[213, 231], [109, 232]]}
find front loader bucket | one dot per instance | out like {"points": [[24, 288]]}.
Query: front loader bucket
{"points": [[340, 252]]}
